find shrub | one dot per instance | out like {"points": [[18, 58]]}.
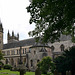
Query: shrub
{"points": [[66, 62], [6, 66], [45, 64], [1, 63]]}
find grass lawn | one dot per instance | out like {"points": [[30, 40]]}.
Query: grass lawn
{"points": [[8, 72]]}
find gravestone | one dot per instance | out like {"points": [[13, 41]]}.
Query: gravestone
{"points": [[21, 68], [67, 73], [60, 73], [0, 67], [70, 73], [56, 72], [37, 71]]}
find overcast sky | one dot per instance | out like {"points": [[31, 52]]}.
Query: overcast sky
{"points": [[14, 17]]}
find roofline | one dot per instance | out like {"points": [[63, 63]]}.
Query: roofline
{"points": [[40, 46]]}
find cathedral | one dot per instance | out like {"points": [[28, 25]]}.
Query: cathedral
{"points": [[31, 51]]}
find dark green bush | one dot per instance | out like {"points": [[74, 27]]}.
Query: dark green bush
{"points": [[6, 66], [1, 63]]}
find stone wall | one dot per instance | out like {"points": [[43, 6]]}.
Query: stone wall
{"points": [[36, 54]]}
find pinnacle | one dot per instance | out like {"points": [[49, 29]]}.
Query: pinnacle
{"points": [[0, 21]]}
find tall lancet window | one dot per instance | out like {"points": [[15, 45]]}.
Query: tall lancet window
{"points": [[62, 47]]}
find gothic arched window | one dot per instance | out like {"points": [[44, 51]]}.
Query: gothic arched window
{"points": [[62, 47], [18, 60], [23, 50], [52, 48], [12, 61], [34, 52], [38, 60], [31, 63], [6, 61], [24, 60], [44, 54]]}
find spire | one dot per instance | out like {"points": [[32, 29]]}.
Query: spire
{"points": [[18, 36], [1, 28], [0, 21], [8, 33], [12, 33]]}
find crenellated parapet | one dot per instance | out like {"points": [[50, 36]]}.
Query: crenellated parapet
{"points": [[12, 38]]}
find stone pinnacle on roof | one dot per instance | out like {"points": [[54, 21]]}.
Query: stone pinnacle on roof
{"points": [[0, 21]]}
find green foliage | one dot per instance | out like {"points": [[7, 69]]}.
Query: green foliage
{"points": [[6, 66], [1, 64], [73, 39], [45, 64], [1, 55], [37, 71], [8, 72], [66, 61], [52, 17]]}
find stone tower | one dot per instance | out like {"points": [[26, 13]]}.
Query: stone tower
{"points": [[1, 36], [12, 38]]}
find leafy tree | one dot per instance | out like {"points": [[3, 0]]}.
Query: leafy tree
{"points": [[52, 17], [45, 64], [1, 55], [66, 62]]}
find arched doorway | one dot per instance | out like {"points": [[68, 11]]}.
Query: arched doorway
{"points": [[24, 60], [6, 61], [12, 62]]}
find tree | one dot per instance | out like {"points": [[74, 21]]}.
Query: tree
{"points": [[66, 62], [52, 18], [1, 55], [45, 64]]}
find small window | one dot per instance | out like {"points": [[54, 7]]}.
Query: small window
{"points": [[24, 60], [23, 50], [44, 54], [12, 61], [18, 60], [52, 48], [13, 52], [31, 63], [17, 52], [29, 49], [62, 47], [34, 52], [38, 60], [3, 52], [6, 61], [8, 52]]}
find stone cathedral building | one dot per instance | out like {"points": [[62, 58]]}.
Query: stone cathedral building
{"points": [[31, 51]]}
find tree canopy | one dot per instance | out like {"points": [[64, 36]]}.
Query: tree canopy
{"points": [[52, 18], [45, 64], [66, 62]]}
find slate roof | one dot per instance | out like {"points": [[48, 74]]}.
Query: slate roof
{"points": [[31, 41], [26, 42], [65, 37]]}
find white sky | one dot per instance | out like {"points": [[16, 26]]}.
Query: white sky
{"points": [[14, 17]]}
